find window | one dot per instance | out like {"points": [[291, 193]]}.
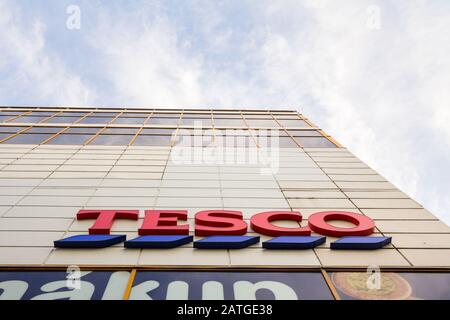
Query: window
{"points": [[45, 130], [304, 133], [293, 123], [96, 120], [4, 118], [229, 122], [82, 130], [64, 138], [8, 129], [159, 131], [262, 123], [315, 142], [120, 131], [152, 140], [29, 119], [29, 138], [112, 139], [59, 119], [135, 115], [167, 121], [129, 120], [204, 122]]}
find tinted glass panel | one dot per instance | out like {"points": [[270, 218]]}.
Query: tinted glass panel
{"points": [[102, 120], [120, 131], [392, 286], [293, 123], [30, 138], [168, 121], [158, 131], [70, 139], [12, 129], [166, 115], [45, 130], [62, 120], [304, 133], [82, 130], [112, 139], [196, 122], [262, 123], [122, 120], [315, 142], [4, 118], [152, 140], [135, 115], [229, 122], [29, 119]]}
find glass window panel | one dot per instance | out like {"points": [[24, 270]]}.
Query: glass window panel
{"points": [[194, 141], [11, 129], [4, 135], [45, 130], [166, 115], [232, 132], [11, 113], [122, 120], [152, 140], [229, 122], [393, 286], [29, 119], [62, 120], [135, 115], [315, 142], [293, 123], [73, 114], [96, 120], [227, 116], [280, 117], [4, 118], [269, 132], [25, 138], [112, 139], [305, 133], [196, 121], [159, 131], [258, 116], [105, 114], [120, 131], [197, 115], [70, 139], [262, 123], [168, 121], [191, 132], [83, 130], [44, 113]]}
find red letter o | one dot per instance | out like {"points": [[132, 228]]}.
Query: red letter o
{"points": [[318, 223]]}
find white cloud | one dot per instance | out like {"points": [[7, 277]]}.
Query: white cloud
{"points": [[30, 71]]}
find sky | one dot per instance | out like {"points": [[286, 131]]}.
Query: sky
{"points": [[373, 74]]}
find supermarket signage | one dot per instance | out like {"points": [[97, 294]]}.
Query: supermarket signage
{"points": [[224, 229]]}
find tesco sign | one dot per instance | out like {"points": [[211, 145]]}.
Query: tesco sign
{"points": [[224, 229]]}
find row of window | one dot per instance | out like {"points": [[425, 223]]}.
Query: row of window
{"points": [[157, 118], [220, 285], [164, 137]]}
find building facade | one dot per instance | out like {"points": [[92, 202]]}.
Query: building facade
{"points": [[57, 161]]}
